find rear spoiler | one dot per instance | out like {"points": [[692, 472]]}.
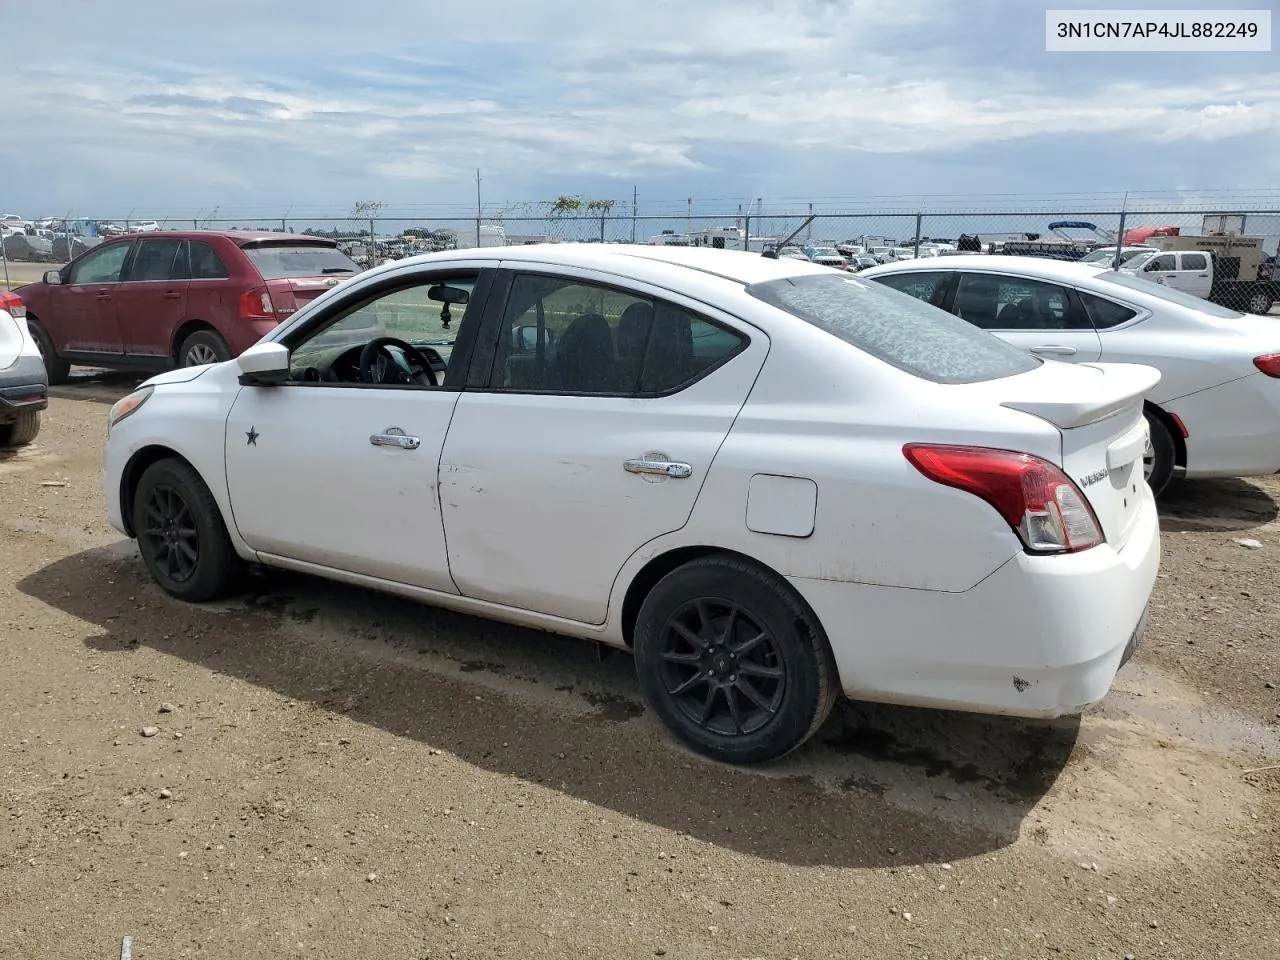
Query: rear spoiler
{"points": [[1122, 384]]}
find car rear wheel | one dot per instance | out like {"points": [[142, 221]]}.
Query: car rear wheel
{"points": [[1260, 302], [21, 431], [732, 661], [181, 534], [203, 346], [1158, 460], [55, 367]]}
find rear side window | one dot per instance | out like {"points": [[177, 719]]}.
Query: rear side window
{"points": [[279, 261], [156, 260], [896, 328], [928, 286], [205, 263], [1194, 261], [566, 336], [1106, 313]]}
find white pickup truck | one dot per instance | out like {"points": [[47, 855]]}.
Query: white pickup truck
{"points": [[1237, 282]]}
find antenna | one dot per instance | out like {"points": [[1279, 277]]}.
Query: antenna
{"points": [[1124, 206]]}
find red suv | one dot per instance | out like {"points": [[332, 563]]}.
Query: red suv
{"points": [[157, 300]]}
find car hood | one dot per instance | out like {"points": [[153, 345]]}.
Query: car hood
{"points": [[178, 375]]}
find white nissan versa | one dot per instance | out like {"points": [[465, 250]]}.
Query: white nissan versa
{"points": [[776, 483]]}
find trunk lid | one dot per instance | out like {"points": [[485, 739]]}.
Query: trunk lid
{"points": [[291, 294], [1098, 410]]}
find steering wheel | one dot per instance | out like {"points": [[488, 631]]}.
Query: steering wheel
{"points": [[393, 370]]}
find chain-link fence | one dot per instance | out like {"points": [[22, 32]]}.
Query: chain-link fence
{"points": [[1225, 256]]}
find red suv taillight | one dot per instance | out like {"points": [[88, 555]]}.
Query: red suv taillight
{"points": [[1269, 364], [1041, 503], [255, 304], [13, 303]]}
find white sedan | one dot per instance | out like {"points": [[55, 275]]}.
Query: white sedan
{"points": [[1216, 410], [774, 482]]}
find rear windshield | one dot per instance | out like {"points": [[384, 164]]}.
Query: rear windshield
{"points": [[897, 328], [279, 261], [1122, 278]]}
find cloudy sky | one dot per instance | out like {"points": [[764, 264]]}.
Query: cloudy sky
{"points": [[161, 106]]}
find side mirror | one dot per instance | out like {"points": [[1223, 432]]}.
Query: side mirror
{"points": [[264, 363], [52, 277]]}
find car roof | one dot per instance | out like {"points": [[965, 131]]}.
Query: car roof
{"points": [[733, 265], [1065, 271], [239, 237]]}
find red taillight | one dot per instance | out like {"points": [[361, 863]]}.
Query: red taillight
{"points": [[256, 305], [1269, 364], [1040, 502], [12, 303]]}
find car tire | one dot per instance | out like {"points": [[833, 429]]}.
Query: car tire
{"points": [[1158, 461], [1259, 302], [55, 368], [181, 535], [732, 661], [21, 431], [203, 346]]}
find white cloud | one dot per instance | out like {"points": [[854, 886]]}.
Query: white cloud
{"points": [[252, 99]]}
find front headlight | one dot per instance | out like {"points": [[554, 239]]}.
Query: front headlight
{"points": [[127, 405]]}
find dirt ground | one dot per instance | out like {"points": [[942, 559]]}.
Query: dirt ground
{"points": [[339, 774]]}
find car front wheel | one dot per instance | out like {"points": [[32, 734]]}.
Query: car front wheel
{"points": [[181, 534], [732, 661]]}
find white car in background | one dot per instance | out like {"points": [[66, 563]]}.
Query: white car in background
{"points": [[24, 384], [773, 481], [1216, 410]]}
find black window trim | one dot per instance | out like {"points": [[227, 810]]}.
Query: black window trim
{"points": [[484, 362], [463, 345], [1141, 312]]}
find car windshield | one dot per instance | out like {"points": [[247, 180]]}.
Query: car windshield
{"points": [[896, 328], [1105, 256], [279, 261], [1139, 260], [1123, 278]]}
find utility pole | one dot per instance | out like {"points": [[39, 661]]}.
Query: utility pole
{"points": [[688, 229], [635, 197], [477, 206], [808, 235]]}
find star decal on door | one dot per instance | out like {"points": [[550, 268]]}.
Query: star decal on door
{"points": [[253, 436]]}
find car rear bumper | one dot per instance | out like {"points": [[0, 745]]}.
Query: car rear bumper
{"points": [[1043, 636], [24, 385]]}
